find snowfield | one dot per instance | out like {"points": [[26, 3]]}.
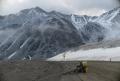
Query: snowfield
{"points": [[100, 54]]}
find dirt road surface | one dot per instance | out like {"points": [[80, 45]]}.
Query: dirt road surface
{"points": [[58, 71]]}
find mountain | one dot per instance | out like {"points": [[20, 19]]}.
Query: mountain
{"points": [[37, 34], [80, 21], [108, 22], [92, 32], [41, 35], [89, 29], [111, 16]]}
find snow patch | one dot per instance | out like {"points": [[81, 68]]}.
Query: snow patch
{"points": [[11, 55], [101, 54]]}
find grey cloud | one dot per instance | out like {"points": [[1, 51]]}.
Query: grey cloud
{"points": [[87, 4], [60, 5], [1, 4]]}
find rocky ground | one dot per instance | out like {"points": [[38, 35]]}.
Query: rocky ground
{"points": [[58, 71]]}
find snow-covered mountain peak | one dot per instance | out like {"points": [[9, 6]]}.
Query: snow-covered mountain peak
{"points": [[79, 21], [33, 12], [23, 16], [111, 16]]}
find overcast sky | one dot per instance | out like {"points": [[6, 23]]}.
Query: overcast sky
{"points": [[82, 7]]}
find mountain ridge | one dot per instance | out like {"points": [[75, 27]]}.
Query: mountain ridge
{"points": [[37, 34]]}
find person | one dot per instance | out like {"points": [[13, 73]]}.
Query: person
{"points": [[82, 67], [79, 68], [85, 67]]}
